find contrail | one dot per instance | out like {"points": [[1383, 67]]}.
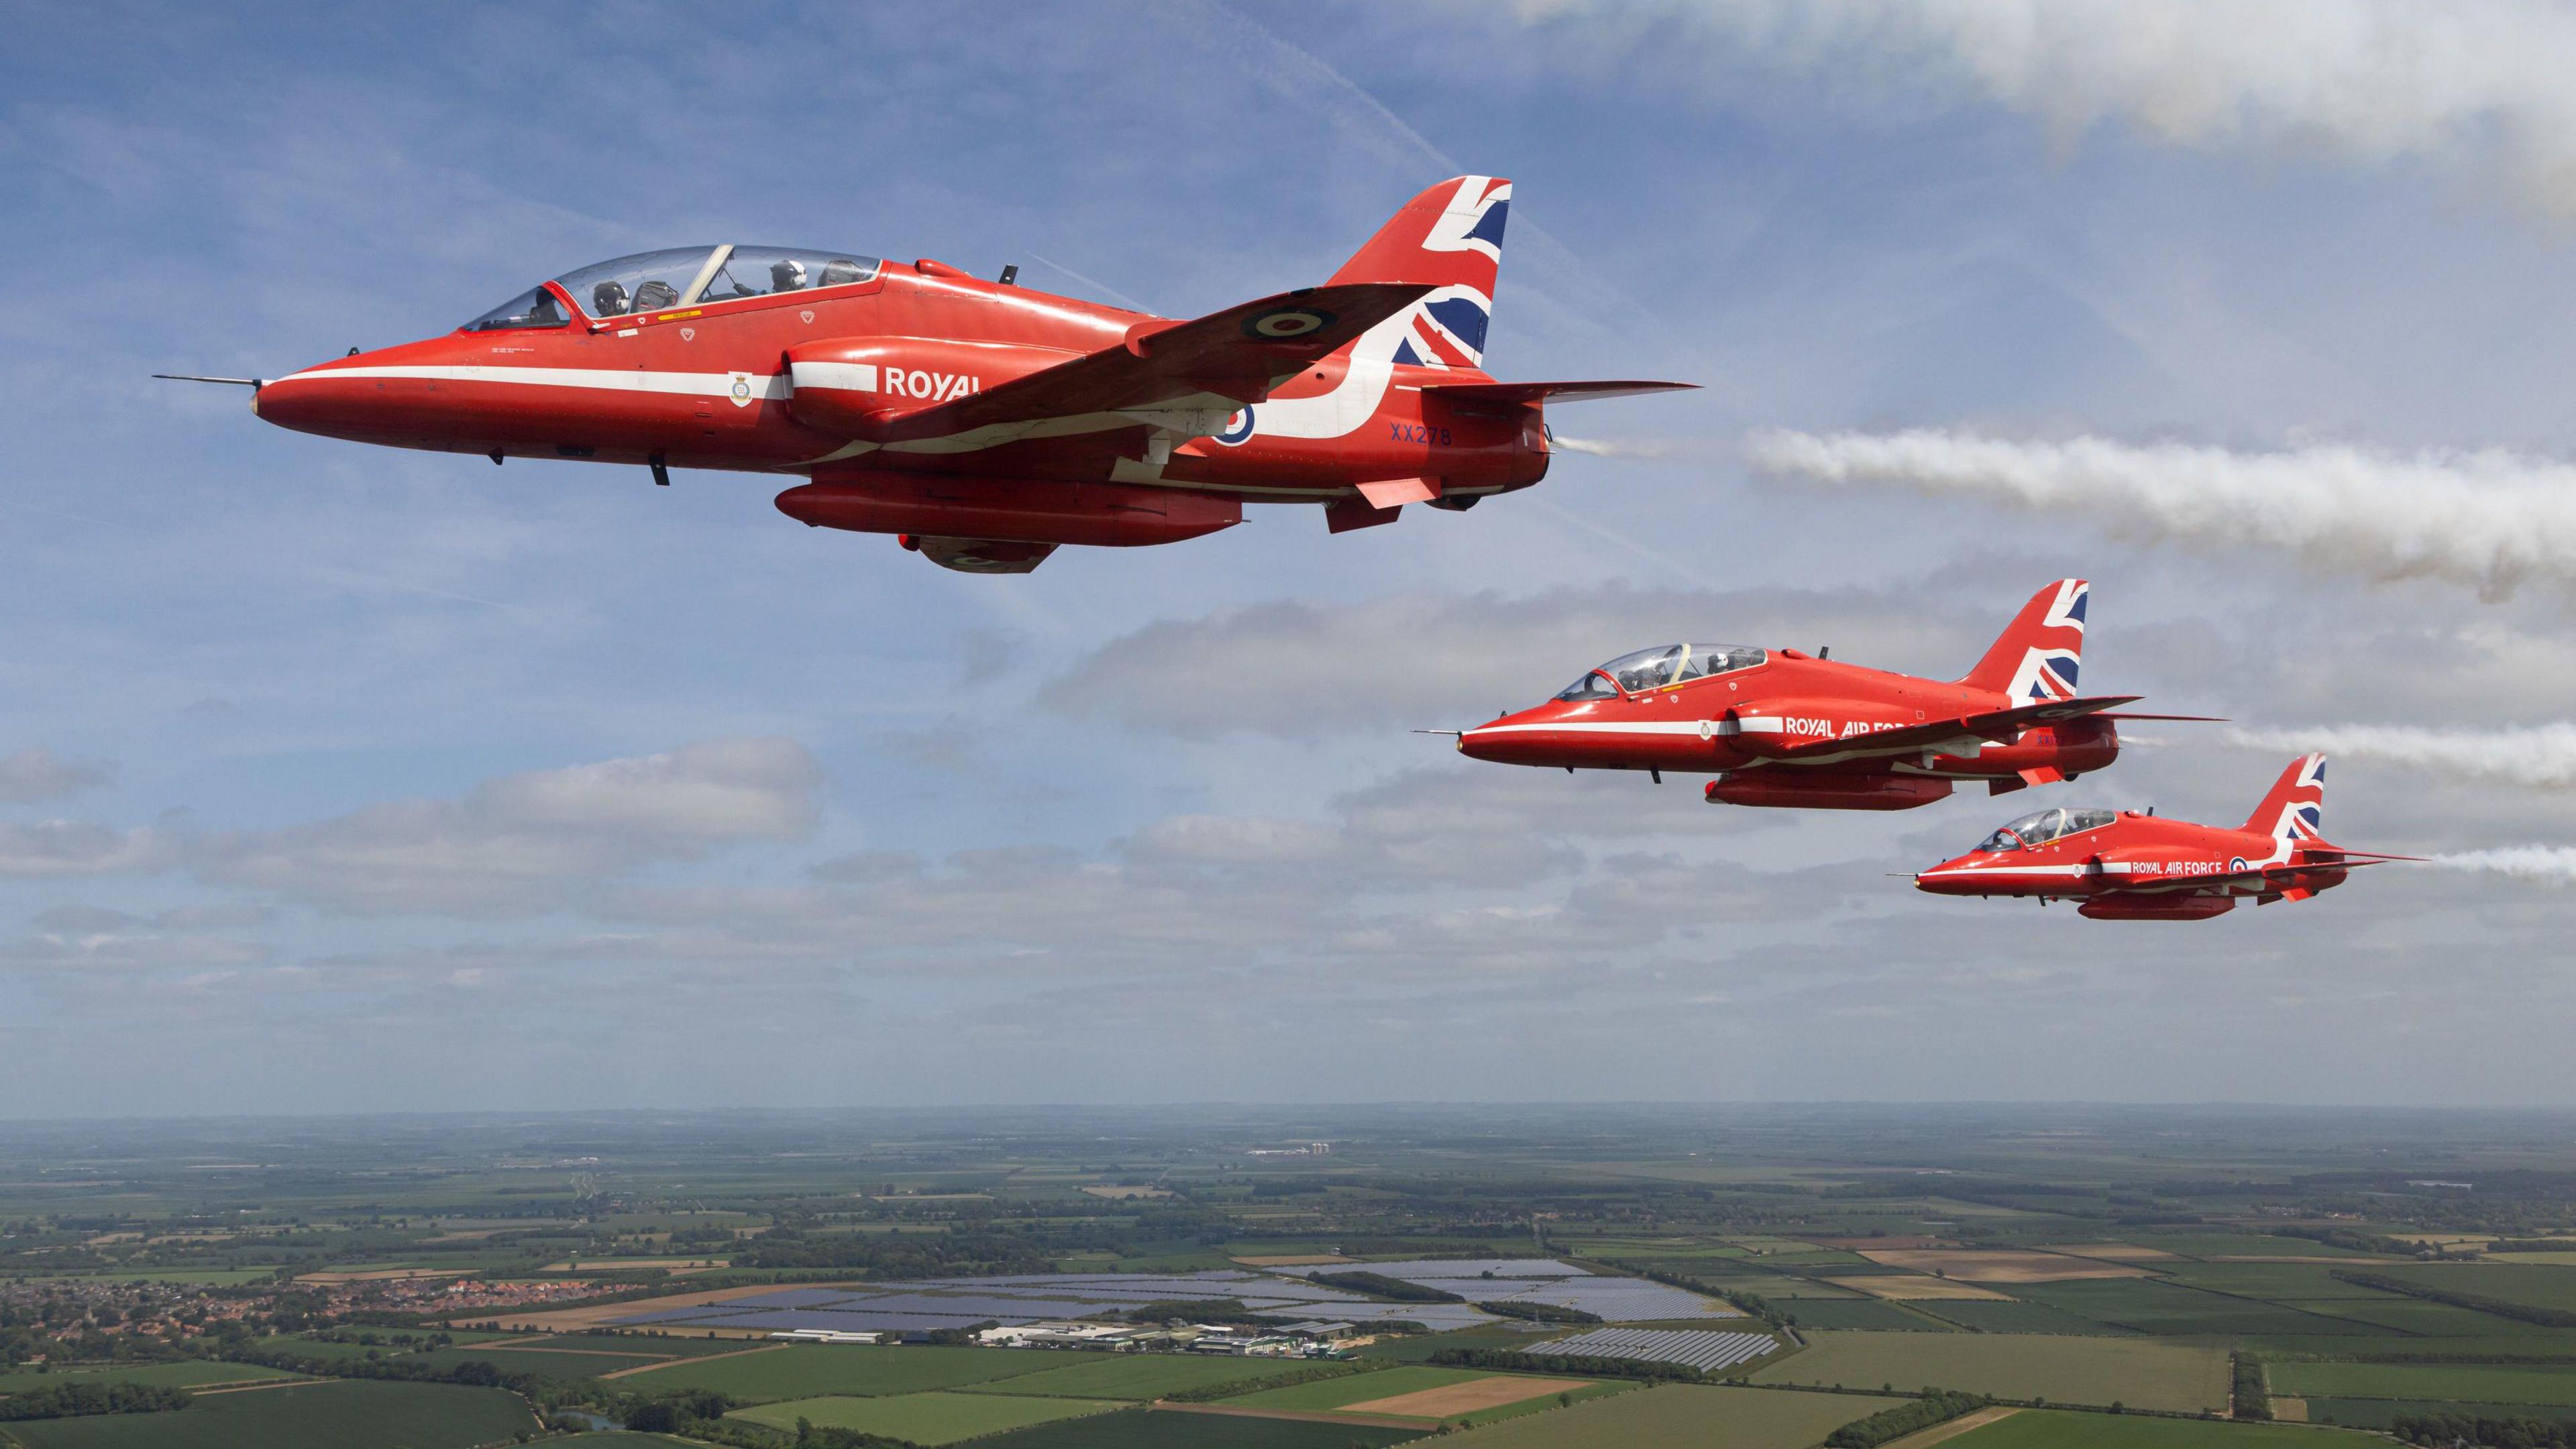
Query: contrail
{"points": [[2546, 864], [1604, 448], [2539, 756], [2491, 519]]}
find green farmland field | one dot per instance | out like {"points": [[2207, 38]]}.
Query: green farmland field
{"points": [[1988, 1316], [2381, 1413], [1359, 1388], [1133, 1376], [2136, 1371], [2280, 1282], [187, 1374], [2531, 1285], [1675, 1416], [2152, 1307], [344, 1414], [1861, 1313], [803, 1370], [2049, 1429], [2489, 1383], [931, 1418], [1178, 1429]]}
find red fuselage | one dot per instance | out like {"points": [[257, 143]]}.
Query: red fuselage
{"points": [[710, 386], [1793, 730], [2142, 867]]}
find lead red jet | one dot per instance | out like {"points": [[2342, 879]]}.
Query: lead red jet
{"points": [[984, 423], [1784, 728], [2125, 866]]}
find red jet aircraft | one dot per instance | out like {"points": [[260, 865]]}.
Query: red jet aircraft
{"points": [[983, 423], [2125, 866], [1786, 728]]}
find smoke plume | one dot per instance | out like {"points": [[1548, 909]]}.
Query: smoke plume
{"points": [[2490, 519], [2546, 864], [2539, 756]]}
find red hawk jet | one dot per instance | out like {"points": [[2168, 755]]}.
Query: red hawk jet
{"points": [[2125, 866], [983, 423], [1784, 728]]}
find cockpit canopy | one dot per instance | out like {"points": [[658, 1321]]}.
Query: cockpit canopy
{"points": [[2043, 826], [1664, 664], [678, 277]]}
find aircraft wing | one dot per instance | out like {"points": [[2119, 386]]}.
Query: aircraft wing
{"points": [[1501, 396], [1998, 725], [1231, 357]]}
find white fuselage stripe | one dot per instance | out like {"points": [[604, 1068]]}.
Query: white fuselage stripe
{"points": [[603, 379]]}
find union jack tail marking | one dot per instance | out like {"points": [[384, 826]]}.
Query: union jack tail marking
{"points": [[2037, 656], [2294, 812], [1450, 238]]}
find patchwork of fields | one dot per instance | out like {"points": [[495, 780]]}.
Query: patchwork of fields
{"points": [[2139, 1372]]}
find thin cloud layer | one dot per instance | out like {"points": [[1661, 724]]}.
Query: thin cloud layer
{"points": [[36, 775], [526, 843], [2474, 86], [2490, 519]]}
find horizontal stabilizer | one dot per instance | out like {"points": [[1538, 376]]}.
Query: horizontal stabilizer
{"points": [[1233, 357], [1500, 396]]}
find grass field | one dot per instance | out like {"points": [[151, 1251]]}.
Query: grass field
{"points": [[931, 1418], [344, 1414], [2281, 1282], [2171, 1308], [1416, 1348], [1173, 1429], [2070, 1370], [2048, 1429], [1133, 1376], [2489, 1383], [2380, 1413], [1862, 1313], [2239, 1245], [1675, 1416], [1334, 1393], [2533, 1285], [801, 1371], [2015, 1318], [183, 1375]]}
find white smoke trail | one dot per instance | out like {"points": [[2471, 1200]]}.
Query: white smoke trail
{"points": [[2491, 518], [2545, 864], [2539, 756], [2470, 85], [1604, 448]]}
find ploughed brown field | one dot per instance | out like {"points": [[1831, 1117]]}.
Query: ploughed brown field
{"points": [[1466, 1398], [2000, 1265]]}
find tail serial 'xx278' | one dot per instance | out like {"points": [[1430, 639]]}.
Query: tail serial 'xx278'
{"points": [[984, 423]]}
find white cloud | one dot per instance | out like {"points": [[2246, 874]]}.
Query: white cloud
{"points": [[2491, 518], [73, 847], [527, 843], [2474, 85], [36, 774]]}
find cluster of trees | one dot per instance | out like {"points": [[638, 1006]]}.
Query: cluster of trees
{"points": [[1937, 1406], [71, 1401], [475, 1373], [1565, 1363], [1751, 1304], [2483, 1429], [2253, 1396], [899, 1255], [1538, 1312], [2520, 1312], [1378, 1285]]}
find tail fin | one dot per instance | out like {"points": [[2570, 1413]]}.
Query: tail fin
{"points": [[1450, 238], [2295, 810], [2037, 655]]}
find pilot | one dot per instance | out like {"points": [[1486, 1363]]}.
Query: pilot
{"points": [[656, 293], [542, 313], [608, 299], [840, 271], [787, 275]]}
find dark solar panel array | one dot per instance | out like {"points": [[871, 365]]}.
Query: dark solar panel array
{"points": [[1693, 1348], [1419, 1269]]}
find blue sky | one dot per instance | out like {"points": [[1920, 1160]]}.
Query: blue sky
{"points": [[307, 798]]}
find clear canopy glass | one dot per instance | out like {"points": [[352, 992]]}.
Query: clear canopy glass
{"points": [[644, 282], [1664, 664], [2043, 826], [535, 307]]}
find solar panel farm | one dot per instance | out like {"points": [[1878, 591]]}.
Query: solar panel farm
{"points": [[1748, 1279]]}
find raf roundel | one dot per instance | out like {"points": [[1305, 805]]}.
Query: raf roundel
{"points": [[1286, 323], [1237, 430]]}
